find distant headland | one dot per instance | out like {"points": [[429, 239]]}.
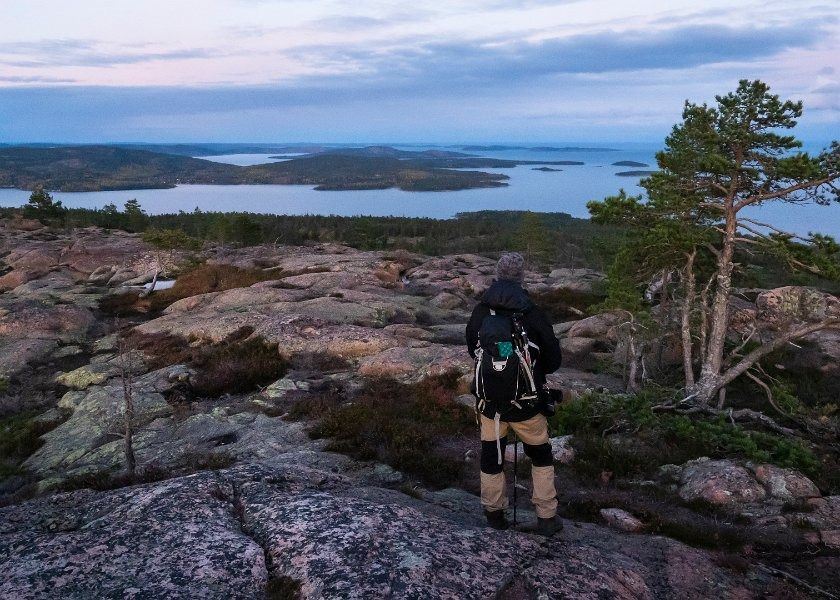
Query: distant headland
{"points": [[79, 168]]}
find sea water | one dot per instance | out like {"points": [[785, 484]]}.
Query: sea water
{"points": [[567, 190]]}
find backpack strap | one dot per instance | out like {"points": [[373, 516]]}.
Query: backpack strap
{"points": [[496, 420]]}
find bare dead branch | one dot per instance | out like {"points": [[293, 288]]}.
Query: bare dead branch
{"points": [[771, 227], [768, 392], [755, 355]]}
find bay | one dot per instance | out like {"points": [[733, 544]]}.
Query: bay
{"points": [[567, 190]]}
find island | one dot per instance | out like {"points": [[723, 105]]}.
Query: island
{"points": [[546, 169], [630, 163], [499, 148], [635, 173]]}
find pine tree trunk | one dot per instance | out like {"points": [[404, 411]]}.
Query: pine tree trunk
{"points": [[710, 380], [688, 302]]}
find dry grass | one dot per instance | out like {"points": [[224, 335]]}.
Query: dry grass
{"points": [[201, 280], [209, 278]]}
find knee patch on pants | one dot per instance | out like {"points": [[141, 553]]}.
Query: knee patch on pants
{"points": [[490, 457], [540, 454]]}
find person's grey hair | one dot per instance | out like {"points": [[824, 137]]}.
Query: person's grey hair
{"points": [[511, 266]]}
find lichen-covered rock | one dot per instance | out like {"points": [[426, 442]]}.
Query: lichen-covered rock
{"points": [[786, 485], [719, 482], [588, 562], [311, 517], [283, 386], [175, 539], [794, 304], [376, 550], [562, 450], [87, 375], [86, 444]]}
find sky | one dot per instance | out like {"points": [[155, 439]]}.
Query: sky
{"points": [[402, 71]]}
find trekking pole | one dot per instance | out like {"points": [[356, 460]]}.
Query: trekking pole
{"points": [[515, 469]]}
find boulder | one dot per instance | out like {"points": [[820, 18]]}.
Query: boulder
{"points": [[578, 280], [13, 279], [621, 520], [577, 351], [128, 277], [87, 375], [280, 388], [446, 300], [719, 482], [600, 326], [101, 275], [411, 364]]}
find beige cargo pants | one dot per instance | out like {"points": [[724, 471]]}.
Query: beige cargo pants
{"points": [[533, 432]]}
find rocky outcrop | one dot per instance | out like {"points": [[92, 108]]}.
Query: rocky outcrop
{"points": [[306, 521], [282, 511]]}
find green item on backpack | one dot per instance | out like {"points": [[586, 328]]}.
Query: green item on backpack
{"points": [[505, 349]]}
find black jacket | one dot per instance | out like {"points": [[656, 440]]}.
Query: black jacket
{"points": [[510, 296]]}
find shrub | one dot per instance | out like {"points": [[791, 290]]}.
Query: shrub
{"points": [[401, 425], [236, 368], [238, 364], [20, 436], [321, 362]]}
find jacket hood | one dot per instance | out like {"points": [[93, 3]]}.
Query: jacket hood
{"points": [[507, 295]]}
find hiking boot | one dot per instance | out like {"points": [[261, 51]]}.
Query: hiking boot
{"points": [[496, 519], [549, 527]]}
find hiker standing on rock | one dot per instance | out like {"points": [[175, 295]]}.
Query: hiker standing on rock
{"points": [[514, 347]]}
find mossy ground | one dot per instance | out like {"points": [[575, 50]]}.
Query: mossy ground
{"points": [[622, 434]]}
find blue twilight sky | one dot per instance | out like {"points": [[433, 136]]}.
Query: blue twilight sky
{"points": [[401, 71]]}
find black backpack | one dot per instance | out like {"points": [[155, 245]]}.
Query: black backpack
{"points": [[504, 369]]}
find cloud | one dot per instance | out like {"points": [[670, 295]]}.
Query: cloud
{"points": [[34, 79], [503, 62], [85, 53]]}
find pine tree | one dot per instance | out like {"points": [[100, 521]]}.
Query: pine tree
{"points": [[43, 207], [717, 162]]}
